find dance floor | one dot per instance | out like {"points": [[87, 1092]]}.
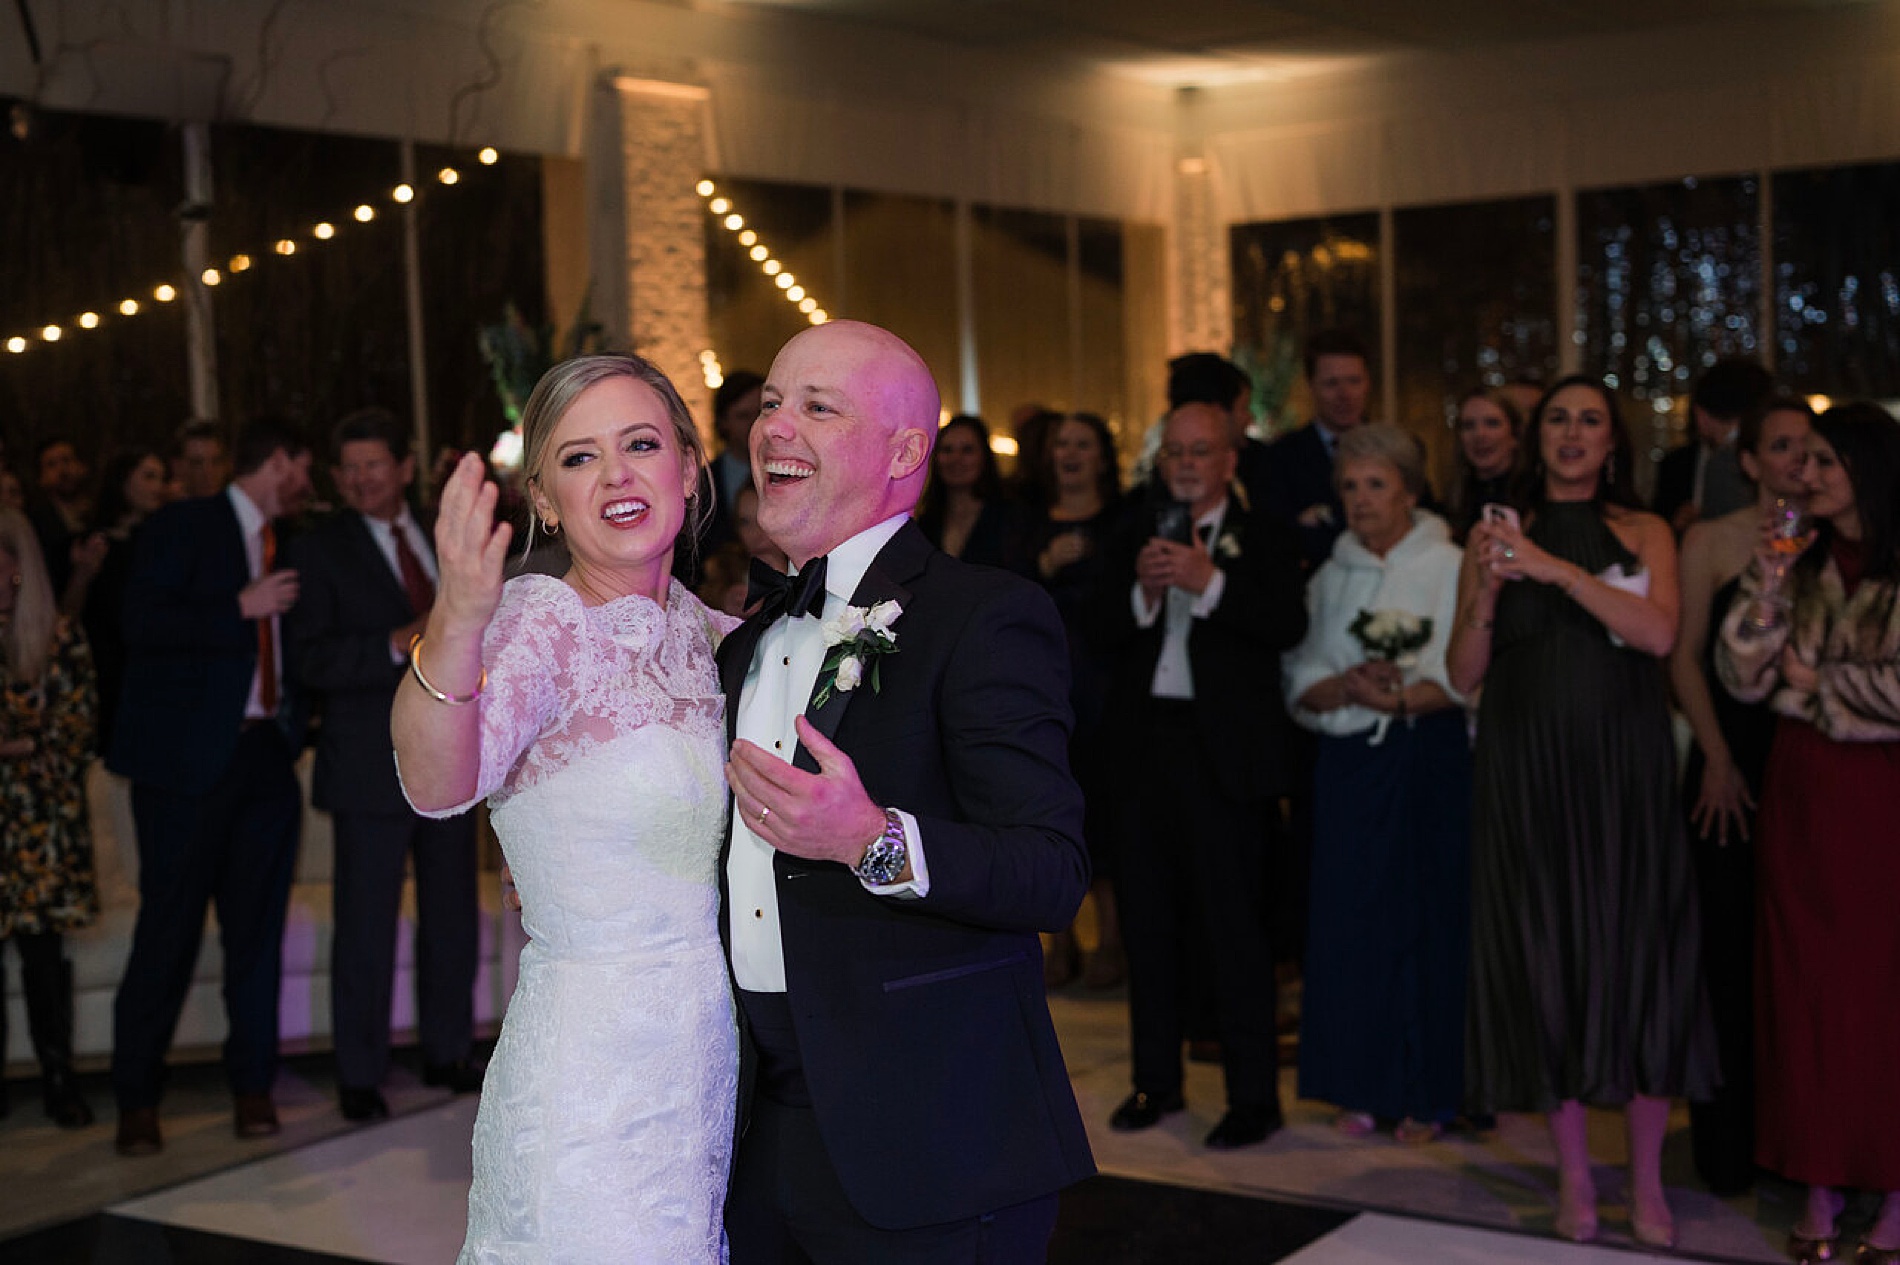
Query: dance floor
{"points": [[394, 1191]]}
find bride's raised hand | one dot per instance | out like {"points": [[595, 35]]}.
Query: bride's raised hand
{"points": [[470, 548]]}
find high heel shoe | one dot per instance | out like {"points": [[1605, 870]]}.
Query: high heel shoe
{"points": [[1813, 1249]]}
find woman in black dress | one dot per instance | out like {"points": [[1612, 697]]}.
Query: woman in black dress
{"points": [[1721, 783], [1586, 980], [965, 510], [1068, 539]]}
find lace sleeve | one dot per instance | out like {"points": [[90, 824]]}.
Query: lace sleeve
{"points": [[523, 651]]}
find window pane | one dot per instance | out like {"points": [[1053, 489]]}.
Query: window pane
{"points": [[1837, 280], [1668, 281], [1292, 279], [1477, 306]]}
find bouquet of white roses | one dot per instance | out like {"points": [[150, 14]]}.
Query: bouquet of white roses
{"points": [[1392, 636]]}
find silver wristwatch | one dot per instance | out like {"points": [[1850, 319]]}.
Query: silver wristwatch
{"points": [[886, 856]]}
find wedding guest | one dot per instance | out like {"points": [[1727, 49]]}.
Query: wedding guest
{"points": [[1488, 428], [61, 508], [47, 707], [1586, 980], [1703, 478], [745, 521], [1070, 539], [207, 732], [735, 408], [1721, 782], [131, 488], [1202, 377], [200, 459], [965, 511], [1822, 646], [367, 581], [1195, 616], [1383, 1009], [1299, 469]]}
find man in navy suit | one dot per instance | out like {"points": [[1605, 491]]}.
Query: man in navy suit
{"points": [[369, 578], [207, 734], [1299, 466], [903, 825], [1195, 615]]}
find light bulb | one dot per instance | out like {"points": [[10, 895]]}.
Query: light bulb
{"points": [[129, 307], [364, 214], [785, 281], [164, 294], [288, 247], [760, 253], [773, 267], [322, 232], [489, 156], [795, 293], [51, 333], [807, 304], [819, 317], [16, 344], [210, 276], [448, 175], [748, 237], [735, 222], [704, 188], [89, 320], [719, 206], [403, 193], [240, 263]]}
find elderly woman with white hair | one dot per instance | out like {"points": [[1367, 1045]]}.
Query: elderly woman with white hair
{"points": [[1381, 1030], [48, 702]]}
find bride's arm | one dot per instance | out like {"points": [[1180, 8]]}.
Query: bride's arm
{"points": [[439, 739]]}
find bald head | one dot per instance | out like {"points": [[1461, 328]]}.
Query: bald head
{"points": [[848, 415]]}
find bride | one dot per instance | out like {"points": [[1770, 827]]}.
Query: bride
{"points": [[587, 709]]}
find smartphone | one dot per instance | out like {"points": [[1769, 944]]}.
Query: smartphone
{"points": [[1502, 515], [1174, 522]]}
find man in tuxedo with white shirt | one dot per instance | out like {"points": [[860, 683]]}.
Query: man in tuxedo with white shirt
{"points": [[899, 836], [1203, 598], [369, 578]]}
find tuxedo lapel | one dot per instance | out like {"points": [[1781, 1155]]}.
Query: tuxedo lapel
{"points": [[900, 561], [370, 561], [735, 660]]}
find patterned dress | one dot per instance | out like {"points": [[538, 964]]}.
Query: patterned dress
{"points": [[46, 882]]}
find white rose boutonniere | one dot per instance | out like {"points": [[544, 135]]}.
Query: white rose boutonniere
{"points": [[859, 638], [1227, 547]]}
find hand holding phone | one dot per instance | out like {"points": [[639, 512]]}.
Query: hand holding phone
{"points": [[1501, 515]]}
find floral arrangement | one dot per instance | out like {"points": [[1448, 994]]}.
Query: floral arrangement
{"points": [[1392, 636], [859, 638]]}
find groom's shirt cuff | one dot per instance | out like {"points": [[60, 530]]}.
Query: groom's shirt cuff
{"points": [[918, 886]]}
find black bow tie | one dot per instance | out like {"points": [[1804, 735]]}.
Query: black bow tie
{"points": [[779, 594]]}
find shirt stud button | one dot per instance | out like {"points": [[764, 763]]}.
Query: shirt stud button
{"points": [[787, 661], [758, 913]]}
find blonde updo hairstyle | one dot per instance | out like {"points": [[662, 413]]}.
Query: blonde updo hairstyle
{"points": [[556, 392]]}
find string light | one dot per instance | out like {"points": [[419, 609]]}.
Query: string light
{"points": [[402, 194], [733, 222]]}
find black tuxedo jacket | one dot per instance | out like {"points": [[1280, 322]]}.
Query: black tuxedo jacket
{"points": [[1299, 475], [348, 603], [190, 653], [1234, 654], [925, 1034]]}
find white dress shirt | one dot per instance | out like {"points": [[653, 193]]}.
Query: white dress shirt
{"points": [[251, 524], [778, 684], [1174, 676]]}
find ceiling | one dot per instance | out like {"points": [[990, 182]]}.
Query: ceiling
{"points": [[1212, 41]]}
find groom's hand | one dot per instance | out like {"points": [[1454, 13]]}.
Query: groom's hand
{"points": [[822, 816]]}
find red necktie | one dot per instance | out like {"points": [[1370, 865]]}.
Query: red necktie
{"points": [[415, 581], [266, 639]]}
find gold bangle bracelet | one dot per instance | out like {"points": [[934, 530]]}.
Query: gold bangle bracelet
{"points": [[453, 700]]}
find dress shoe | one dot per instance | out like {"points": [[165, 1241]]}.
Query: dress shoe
{"points": [[138, 1132], [463, 1076], [254, 1116], [65, 1105], [1244, 1126], [361, 1104], [1144, 1111]]}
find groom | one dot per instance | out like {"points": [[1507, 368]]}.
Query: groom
{"points": [[900, 831]]}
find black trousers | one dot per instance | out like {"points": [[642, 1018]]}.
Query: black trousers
{"points": [[232, 847], [786, 1206], [1195, 873], [371, 850]]}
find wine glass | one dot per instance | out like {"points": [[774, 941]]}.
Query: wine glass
{"points": [[1788, 536]]}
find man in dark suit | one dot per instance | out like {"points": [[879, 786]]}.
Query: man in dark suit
{"points": [[1299, 490], [1203, 598], [1202, 377], [207, 734], [1703, 478], [906, 1096], [368, 581]]}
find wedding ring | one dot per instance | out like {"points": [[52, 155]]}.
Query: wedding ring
{"points": [[1509, 553], [764, 812]]}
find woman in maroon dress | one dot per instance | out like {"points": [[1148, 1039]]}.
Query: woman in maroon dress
{"points": [[1823, 644]]}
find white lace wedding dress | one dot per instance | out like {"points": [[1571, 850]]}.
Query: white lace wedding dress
{"points": [[605, 1125]]}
